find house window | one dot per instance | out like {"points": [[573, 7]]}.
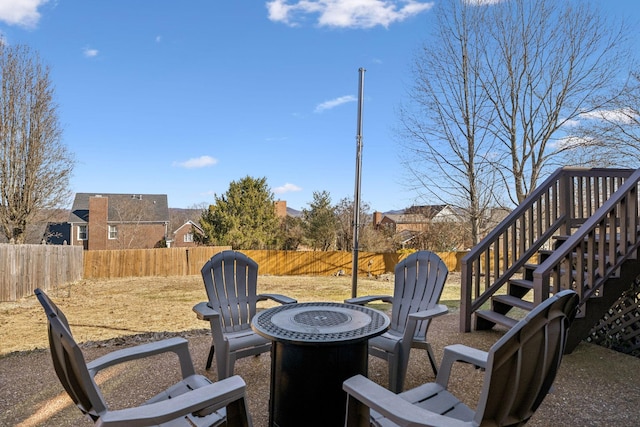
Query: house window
{"points": [[82, 232], [113, 232], [188, 238]]}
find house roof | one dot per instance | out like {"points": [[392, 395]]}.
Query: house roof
{"points": [[406, 218], [58, 233], [422, 213], [190, 224], [156, 207]]}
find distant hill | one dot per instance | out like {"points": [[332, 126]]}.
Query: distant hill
{"points": [[395, 212], [293, 212]]}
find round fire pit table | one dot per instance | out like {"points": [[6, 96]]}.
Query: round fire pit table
{"points": [[316, 347]]}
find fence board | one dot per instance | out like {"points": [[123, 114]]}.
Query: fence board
{"points": [[23, 268], [189, 261], [26, 267]]}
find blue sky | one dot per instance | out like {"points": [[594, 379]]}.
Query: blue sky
{"points": [[181, 98]]}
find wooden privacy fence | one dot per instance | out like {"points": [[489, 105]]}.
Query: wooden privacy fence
{"points": [[23, 268], [189, 261]]}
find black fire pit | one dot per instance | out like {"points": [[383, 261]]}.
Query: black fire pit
{"points": [[316, 346]]}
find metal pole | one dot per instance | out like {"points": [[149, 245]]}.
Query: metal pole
{"points": [[356, 197]]}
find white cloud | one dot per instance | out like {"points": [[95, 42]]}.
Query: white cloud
{"points": [[346, 13], [327, 105], [571, 123], [483, 2], [90, 53], [197, 162], [21, 12], [622, 115], [570, 142], [287, 188]]}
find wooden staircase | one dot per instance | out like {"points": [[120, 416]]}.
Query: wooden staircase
{"points": [[579, 230]]}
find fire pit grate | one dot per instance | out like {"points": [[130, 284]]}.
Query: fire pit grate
{"points": [[319, 322]]}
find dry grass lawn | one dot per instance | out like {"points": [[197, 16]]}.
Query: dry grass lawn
{"points": [[104, 309]]}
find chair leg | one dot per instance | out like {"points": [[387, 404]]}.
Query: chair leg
{"points": [[432, 359], [210, 358], [238, 414], [222, 362], [357, 414], [395, 375], [231, 363]]}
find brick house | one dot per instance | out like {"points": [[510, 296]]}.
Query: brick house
{"points": [[183, 236], [422, 219], [119, 221], [415, 222], [408, 225]]}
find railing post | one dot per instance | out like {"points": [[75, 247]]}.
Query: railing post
{"points": [[465, 300], [564, 202], [633, 215]]}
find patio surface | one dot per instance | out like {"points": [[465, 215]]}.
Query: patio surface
{"points": [[595, 386]]}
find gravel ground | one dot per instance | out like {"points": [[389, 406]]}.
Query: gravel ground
{"points": [[595, 386]]}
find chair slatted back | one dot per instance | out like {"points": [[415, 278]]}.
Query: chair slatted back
{"points": [[419, 282], [523, 364], [69, 363], [230, 279]]}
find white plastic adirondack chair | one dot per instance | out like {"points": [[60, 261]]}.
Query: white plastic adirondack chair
{"points": [[519, 371], [230, 279], [194, 401], [419, 281]]}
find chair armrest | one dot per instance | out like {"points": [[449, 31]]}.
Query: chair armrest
{"points": [[369, 298], [413, 319], [436, 311], [204, 311], [216, 396], [391, 405], [281, 299], [459, 353], [177, 345]]}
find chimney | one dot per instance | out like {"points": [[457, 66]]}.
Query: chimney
{"points": [[281, 208], [97, 227], [377, 218]]}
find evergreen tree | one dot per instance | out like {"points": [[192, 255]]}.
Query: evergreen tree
{"points": [[243, 218], [320, 222]]}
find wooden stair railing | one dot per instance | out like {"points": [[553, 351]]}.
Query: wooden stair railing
{"points": [[499, 270], [594, 255]]}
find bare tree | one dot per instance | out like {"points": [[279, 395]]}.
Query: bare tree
{"points": [[35, 166], [344, 223], [610, 137], [127, 229], [371, 239], [448, 146], [495, 86], [546, 62]]}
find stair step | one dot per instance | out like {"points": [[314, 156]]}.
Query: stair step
{"points": [[514, 302], [496, 318], [523, 283]]}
